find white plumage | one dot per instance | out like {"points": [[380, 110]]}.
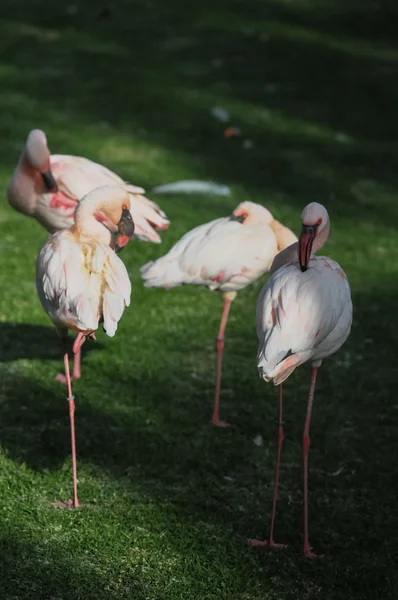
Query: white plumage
{"points": [[81, 283], [224, 255], [306, 315]]}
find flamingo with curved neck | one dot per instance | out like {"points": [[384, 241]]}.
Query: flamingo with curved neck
{"points": [[81, 281], [49, 186], [304, 312]]}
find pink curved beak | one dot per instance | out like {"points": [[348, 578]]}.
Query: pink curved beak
{"points": [[305, 244]]}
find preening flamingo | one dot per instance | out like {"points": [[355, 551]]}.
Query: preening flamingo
{"points": [[225, 255], [82, 282], [304, 312], [48, 187]]}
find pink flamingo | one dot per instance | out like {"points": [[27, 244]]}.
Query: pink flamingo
{"points": [[48, 187], [304, 312], [225, 255], [82, 282]]}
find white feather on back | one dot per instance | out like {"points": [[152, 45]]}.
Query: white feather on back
{"points": [[308, 312], [223, 254], [77, 176], [78, 284]]}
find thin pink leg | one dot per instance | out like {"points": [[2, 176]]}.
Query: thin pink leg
{"points": [[220, 347], [270, 542], [78, 343], [76, 365], [71, 401], [306, 447]]}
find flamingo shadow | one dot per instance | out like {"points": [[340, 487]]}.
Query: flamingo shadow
{"points": [[28, 341]]}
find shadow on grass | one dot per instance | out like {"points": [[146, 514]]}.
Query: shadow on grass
{"points": [[26, 341]]}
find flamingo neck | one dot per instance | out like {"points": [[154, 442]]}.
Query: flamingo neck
{"points": [[291, 252], [86, 224], [321, 238]]}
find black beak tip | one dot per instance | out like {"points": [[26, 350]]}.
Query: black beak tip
{"points": [[239, 219], [303, 268], [49, 181]]}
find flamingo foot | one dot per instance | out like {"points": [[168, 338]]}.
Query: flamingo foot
{"points": [[66, 505], [308, 553], [270, 544], [218, 423], [61, 377]]}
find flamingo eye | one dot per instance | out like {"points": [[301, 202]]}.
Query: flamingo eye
{"points": [[319, 221]]}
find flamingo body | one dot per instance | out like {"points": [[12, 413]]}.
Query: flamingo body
{"points": [[81, 283], [302, 316], [223, 255], [73, 178]]}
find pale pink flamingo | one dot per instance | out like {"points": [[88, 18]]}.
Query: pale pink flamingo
{"points": [[81, 281], [48, 187], [304, 312], [225, 255]]}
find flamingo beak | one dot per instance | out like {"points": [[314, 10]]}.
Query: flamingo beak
{"points": [[238, 218], [125, 230], [49, 181], [306, 241]]}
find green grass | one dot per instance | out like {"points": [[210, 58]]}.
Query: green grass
{"points": [[171, 501]]}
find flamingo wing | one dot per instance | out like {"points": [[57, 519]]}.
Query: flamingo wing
{"points": [[231, 255], [116, 289], [297, 311], [77, 176], [64, 284], [222, 254], [78, 284]]}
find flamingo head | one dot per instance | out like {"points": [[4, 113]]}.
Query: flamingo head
{"points": [[38, 156], [112, 203], [315, 219], [249, 213], [125, 228]]}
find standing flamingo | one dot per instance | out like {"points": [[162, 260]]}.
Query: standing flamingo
{"points": [[82, 282], [304, 312], [48, 187], [225, 255]]}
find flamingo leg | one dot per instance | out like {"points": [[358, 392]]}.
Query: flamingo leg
{"points": [[280, 437], [76, 366], [306, 447], [71, 401], [79, 341], [220, 347]]}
